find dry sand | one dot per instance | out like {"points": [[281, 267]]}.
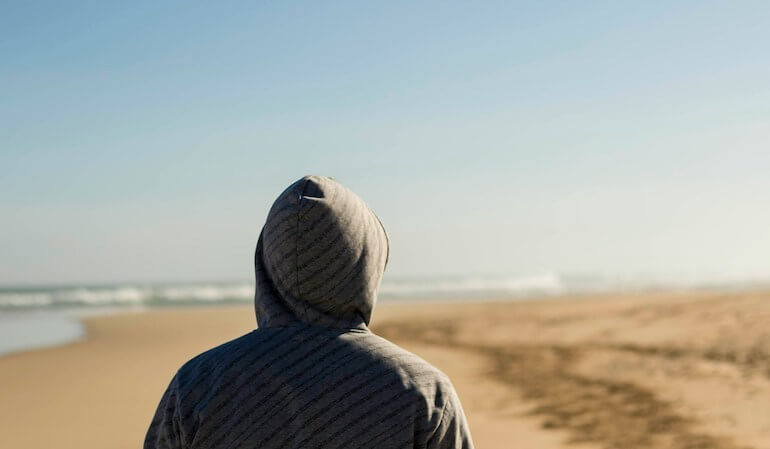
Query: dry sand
{"points": [[680, 370]]}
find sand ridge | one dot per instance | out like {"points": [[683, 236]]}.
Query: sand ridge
{"points": [[620, 372]]}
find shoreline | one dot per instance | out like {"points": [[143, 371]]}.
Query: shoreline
{"points": [[20, 331], [67, 325], [20, 328]]}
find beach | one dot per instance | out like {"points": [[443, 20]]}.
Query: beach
{"points": [[654, 370]]}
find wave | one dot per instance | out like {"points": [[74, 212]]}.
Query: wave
{"points": [[548, 284], [125, 295], [504, 286]]}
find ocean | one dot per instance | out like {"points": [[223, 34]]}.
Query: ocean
{"points": [[39, 316]]}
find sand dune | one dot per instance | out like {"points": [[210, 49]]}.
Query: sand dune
{"points": [[681, 370]]}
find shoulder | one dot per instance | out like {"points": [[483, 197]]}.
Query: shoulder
{"points": [[431, 389], [217, 360], [408, 359], [229, 359], [417, 374]]}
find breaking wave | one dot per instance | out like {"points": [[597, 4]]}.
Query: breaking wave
{"points": [[125, 295], [449, 287]]}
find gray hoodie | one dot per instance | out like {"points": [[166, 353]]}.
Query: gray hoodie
{"points": [[312, 375]]}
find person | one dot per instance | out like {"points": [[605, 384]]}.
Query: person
{"points": [[312, 375]]}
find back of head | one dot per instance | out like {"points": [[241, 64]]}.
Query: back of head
{"points": [[320, 257], [319, 261]]}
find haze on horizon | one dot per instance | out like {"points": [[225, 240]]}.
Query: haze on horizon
{"points": [[147, 140]]}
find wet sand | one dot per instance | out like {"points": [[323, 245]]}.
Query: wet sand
{"points": [[678, 370]]}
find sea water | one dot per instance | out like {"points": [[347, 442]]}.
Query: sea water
{"points": [[38, 316], [22, 330]]}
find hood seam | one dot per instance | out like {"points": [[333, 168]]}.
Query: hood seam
{"points": [[296, 242]]}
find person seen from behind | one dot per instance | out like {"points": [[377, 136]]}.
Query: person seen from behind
{"points": [[312, 375]]}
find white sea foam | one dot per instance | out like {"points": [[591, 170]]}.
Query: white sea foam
{"points": [[124, 295], [103, 296], [207, 292], [25, 299], [513, 286], [176, 294], [474, 285]]}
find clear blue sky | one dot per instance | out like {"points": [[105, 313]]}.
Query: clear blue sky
{"points": [[146, 140]]}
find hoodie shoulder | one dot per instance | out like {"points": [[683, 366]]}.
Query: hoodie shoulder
{"points": [[435, 397], [408, 362], [216, 358]]}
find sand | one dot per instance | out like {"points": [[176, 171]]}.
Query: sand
{"points": [[669, 370]]}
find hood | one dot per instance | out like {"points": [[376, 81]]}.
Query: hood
{"points": [[320, 257]]}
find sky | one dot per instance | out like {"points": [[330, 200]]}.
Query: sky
{"points": [[146, 141]]}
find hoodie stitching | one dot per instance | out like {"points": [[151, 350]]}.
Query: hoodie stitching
{"points": [[296, 244], [385, 233]]}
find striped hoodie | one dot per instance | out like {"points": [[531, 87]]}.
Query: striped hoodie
{"points": [[312, 375]]}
